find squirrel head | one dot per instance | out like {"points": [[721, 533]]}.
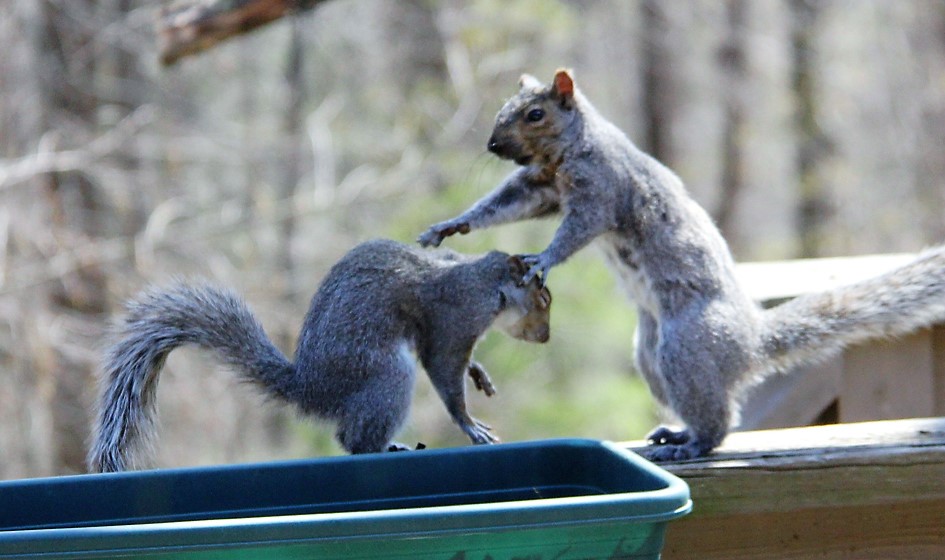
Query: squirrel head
{"points": [[524, 308], [532, 126]]}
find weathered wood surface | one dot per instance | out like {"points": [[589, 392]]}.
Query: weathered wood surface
{"points": [[772, 281], [867, 490]]}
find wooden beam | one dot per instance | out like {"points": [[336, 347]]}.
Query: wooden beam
{"points": [[189, 27], [773, 281], [938, 367], [869, 490], [797, 398], [889, 379]]}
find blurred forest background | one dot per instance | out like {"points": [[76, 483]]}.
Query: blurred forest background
{"points": [[807, 128]]}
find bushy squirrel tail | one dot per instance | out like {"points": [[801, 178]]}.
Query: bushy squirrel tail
{"points": [[158, 321], [815, 326]]}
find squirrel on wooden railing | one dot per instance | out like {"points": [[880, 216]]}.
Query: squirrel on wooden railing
{"points": [[701, 341]]}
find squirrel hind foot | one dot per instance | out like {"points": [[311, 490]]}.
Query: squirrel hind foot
{"points": [[395, 447], [664, 435], [668, 444], [671, 452]]}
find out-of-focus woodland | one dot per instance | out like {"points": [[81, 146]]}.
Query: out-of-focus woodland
{"points": [[807, 128]]}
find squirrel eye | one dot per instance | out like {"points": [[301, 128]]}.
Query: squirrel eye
{"points": [[535, 115]]}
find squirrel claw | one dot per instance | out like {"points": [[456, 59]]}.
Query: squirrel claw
{"points": [[430, 238], [538, 269], [537, 272], [480, 433]]}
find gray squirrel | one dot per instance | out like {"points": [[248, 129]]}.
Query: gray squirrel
{"points": [[354, 364], [701, 341]]}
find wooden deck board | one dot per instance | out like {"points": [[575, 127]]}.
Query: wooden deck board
{"points": [[867, 490]]}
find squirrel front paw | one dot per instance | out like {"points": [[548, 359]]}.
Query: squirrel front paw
{"points": [[481, 379], [437, 233]]}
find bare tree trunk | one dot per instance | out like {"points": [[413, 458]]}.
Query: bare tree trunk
{"points": [[732, 56], [658, 83], [74, 206], [249, 106], [130, 204], [931, 188], [815, 207], [292, 161]]}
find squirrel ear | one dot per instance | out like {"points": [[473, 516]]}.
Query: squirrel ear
{"points": [[517, 266], [528, 81], [563, 84]]}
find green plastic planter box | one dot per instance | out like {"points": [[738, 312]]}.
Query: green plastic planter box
{"points": [[558, 499]]}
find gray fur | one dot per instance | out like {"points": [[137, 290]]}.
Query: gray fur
{"points": [[379, 305], [701, 340]]}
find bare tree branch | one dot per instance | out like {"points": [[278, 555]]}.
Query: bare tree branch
{"points": [[192, 26], [47, 160]]}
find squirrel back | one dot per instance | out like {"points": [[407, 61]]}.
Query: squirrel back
{"points": [[354, 364]]}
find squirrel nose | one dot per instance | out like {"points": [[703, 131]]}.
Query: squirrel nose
{"points": [[494, 146]]}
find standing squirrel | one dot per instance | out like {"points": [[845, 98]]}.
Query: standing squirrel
{"points": [[701, 341], [379, 305]]}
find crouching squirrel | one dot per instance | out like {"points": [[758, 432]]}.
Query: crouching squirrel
{"points": [[700, 340], [380, 305]]}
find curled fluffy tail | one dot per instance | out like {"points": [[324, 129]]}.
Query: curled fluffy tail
{"points": [[815, 326], [157, 322]]}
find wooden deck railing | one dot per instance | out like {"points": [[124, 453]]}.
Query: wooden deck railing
{"points": [[881, 380], [849, 491], [865, 490]]}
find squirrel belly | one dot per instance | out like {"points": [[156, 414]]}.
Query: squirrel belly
{"points": [[700, 339], [378, 310]]}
